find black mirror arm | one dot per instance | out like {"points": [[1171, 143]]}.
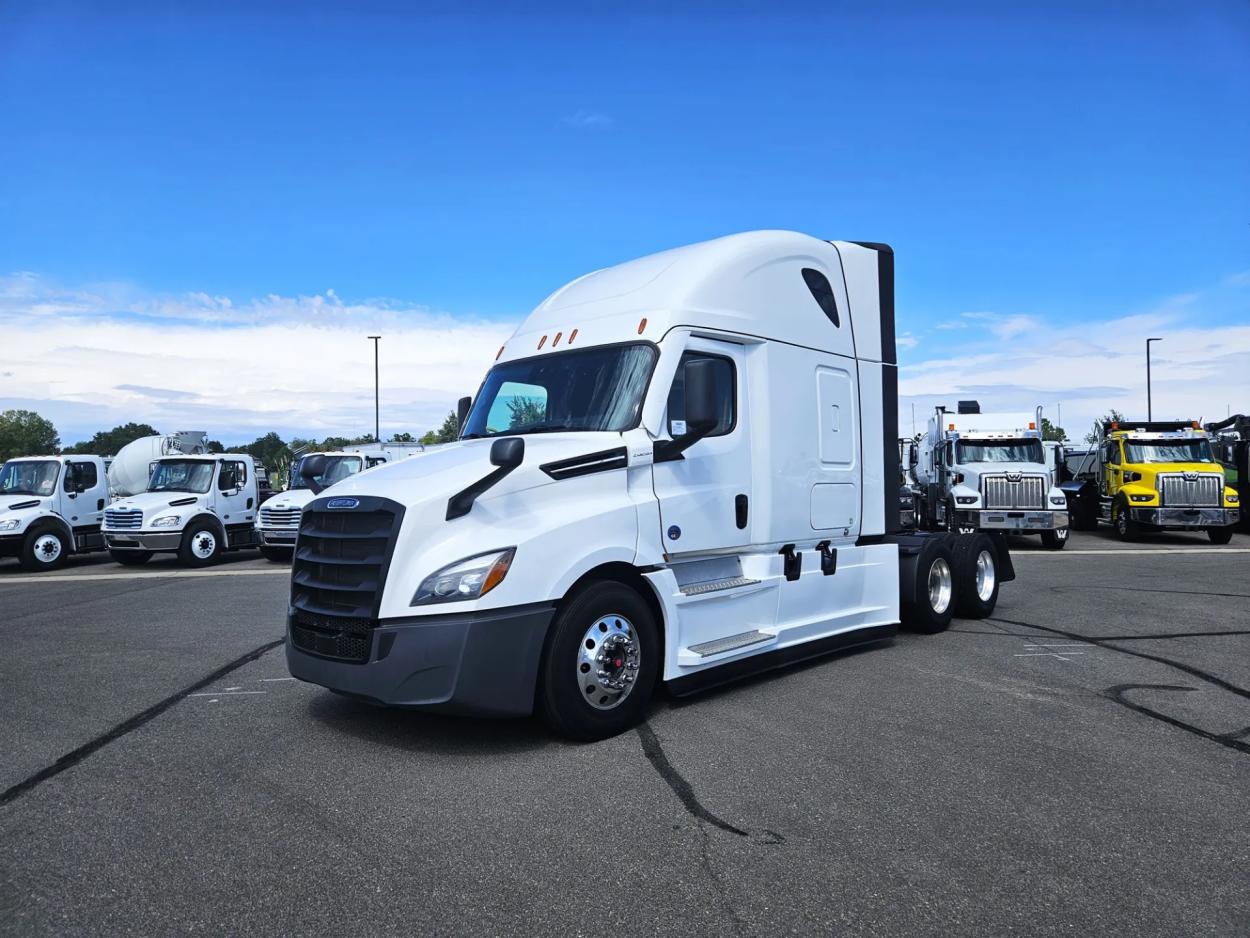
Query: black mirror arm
{"points": [[506, 455], [668, 450]]}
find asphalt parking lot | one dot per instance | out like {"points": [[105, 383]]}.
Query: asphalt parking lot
{"points": [[1078, 764]]}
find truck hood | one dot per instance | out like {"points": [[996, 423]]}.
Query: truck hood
{"points": [[294, 498], [436, 475], [155, 504], [23, 507]]}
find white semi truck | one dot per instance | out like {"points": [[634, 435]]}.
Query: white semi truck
{"points": [[680, 470], [978, 471], [195, 505], [277, 522], [51, 507]]}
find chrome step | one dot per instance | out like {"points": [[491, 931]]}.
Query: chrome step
{"points": [[730, 642], [715, 586]]}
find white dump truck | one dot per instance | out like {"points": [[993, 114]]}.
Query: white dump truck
{"points": [[195, 505], [51, 507], [978, 471], [682, 469], [277, 522]]}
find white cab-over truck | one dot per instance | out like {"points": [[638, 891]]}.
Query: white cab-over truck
{"points": [[680, 469], [277, 522], [987, 472], [195, 506], [51, 507]]}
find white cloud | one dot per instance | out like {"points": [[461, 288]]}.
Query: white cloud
{"points": [[906, 341], [300, 365], [588, 119]]}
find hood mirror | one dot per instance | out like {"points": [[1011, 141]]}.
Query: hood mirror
{"points": [[507, 454], [310, 468]]}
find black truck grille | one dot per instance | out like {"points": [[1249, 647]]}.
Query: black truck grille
{"points": [[337, 575]]}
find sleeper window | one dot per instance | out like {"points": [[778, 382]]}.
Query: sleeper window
{"points": [[726, 392]]}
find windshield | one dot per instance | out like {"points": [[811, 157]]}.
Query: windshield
{"points": [[181, 476], [337, 469], [1140, 451], [967, 451], [595, 389], [29, 477]]}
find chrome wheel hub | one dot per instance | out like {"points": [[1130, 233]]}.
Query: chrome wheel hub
{"points": [[203, 544], [939, 586], [47, 548], [608, 660], [986, 576]]}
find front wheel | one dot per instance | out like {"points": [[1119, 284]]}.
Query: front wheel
{"points": [[600, 664], [933, 589], [201, 545], [43, 550], [131, 558], [1220, 535], [1125, 529], [1056, 539]]}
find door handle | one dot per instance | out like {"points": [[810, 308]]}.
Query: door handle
{"points": [[740, 511]]}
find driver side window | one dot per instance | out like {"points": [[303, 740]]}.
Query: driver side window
{"points": [[233, 475]]}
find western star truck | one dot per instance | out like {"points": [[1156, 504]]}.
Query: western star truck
{"points": [[987, 472], [51, 507], [681, 469], [277, 522], [1230, 440], [196, 506], [1154, 476]]}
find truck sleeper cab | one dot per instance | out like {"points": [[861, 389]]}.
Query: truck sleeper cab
{"points": [[51, 507], [196, 506], [678, 470]]}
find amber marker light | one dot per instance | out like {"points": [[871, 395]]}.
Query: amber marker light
{"points": [[499, 353], [542, 341], [642, 324], [497, 572], [572, 336], [556, 340]]}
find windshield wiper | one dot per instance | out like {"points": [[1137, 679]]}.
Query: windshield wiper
{"points": [[555, 428]]}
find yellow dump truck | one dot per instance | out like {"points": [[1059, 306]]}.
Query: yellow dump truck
{"points": [[1153, 476]]}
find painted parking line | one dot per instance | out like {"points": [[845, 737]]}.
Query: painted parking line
{"points": [[1131, 550], [146, 575]]}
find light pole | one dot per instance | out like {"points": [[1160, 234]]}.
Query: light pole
{"points": [[1149, 408], [377, 420]]}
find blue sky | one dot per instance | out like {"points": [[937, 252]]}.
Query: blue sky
{"points": [[1062, 164]]}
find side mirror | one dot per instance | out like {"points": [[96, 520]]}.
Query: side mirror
{"points": [[311, 467], [508, 453], [462, 411], [701, 409]]}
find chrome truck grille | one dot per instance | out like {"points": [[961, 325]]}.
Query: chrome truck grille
{"points": [[123, 519], [1190, 489], [280, 517], [1013, 490], [338, 572]]}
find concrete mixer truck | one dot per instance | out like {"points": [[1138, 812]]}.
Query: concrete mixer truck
{"points": [[51, 507], [193, 503]]}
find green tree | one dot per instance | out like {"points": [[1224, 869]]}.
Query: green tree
{"points": [[1095, 435], [429, 438], [402, 438], [25, 433], [1052, 432], [214, 446], [268, 449], [110, 442], [525, 411], [338, 442], [449, 432]]}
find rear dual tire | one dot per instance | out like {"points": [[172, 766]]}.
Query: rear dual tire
{"points": [[954, 574]]}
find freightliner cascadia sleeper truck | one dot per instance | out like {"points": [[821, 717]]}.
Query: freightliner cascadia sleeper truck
{"points": [[679, 470]]}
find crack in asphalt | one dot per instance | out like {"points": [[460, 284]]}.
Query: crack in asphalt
{"points": [[676, 781], [1162, 636], [75, 756], [95, 598], [1144, 589], [1117, 692]]}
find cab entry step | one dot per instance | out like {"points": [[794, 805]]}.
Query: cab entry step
{"points": [[715, 586], [731, 642]]}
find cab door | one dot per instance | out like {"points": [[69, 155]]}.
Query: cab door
{"points": [[236, 492], [84, 493], [1114, 471], [705, 495]]}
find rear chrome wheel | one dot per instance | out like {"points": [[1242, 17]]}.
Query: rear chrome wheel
{"points": [[940, 586], [928, 584], [976, 576], [986, 576]]}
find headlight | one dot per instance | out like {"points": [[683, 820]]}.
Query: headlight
{"points": [[471, 578], [1142, 498], [166, 521], [10, 524], [1231, 499], [1058, 500], [966, 499]]}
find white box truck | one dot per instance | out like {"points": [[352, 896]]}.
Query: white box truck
{"points": [[979, 471], [277, 522], [51, 507], [679, 470], [194, 505]]}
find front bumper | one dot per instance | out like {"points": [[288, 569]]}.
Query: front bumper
{"points": [[468, 663], [277, 537], [986, 519], [1185, 517], [11, 545], [142, 540]]}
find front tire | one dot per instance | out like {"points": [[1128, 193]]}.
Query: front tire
{"points": [[131, 558], [1056, 539], [1220, 535], [934, 590], [201, 545], [277, 554], [43, 549], [601, 663], [1124, 527], [976, 576]]}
